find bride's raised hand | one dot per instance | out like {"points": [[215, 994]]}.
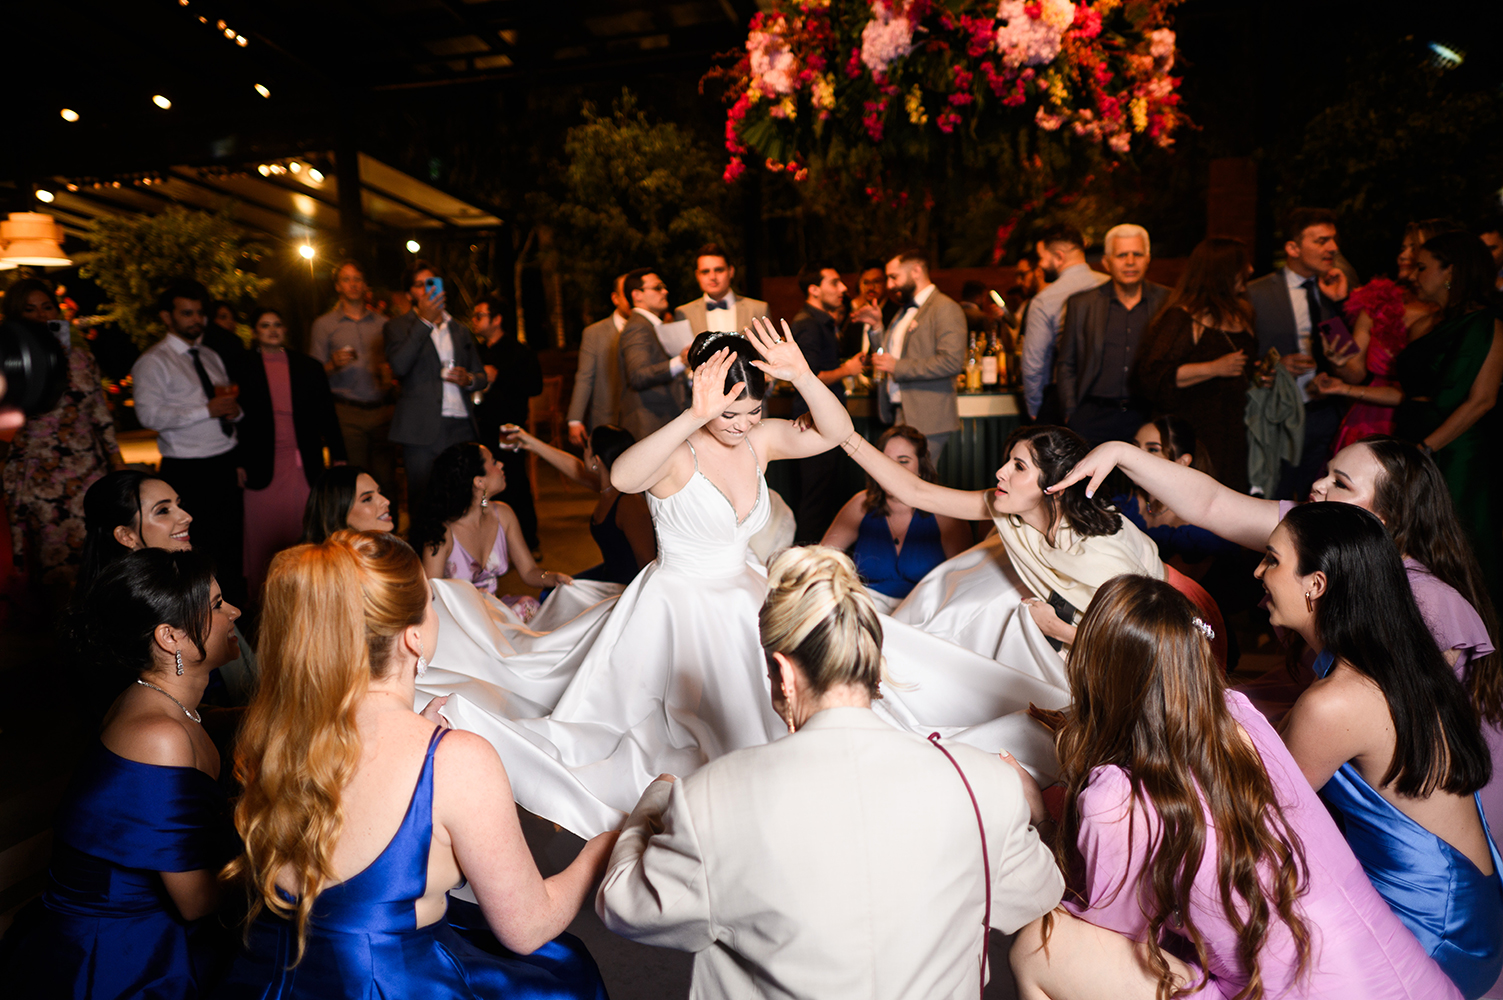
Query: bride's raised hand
{"points": [[783, 359], [710, 395]]}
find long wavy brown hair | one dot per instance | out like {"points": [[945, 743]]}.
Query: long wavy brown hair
{"points": [[1148, 698], [1208, 286], [330, 617]]}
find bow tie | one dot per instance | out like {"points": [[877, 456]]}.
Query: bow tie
{"points": [[906, 305], [717, 304]]}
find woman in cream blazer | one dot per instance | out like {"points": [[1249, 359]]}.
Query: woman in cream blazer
{"points": [[845, 860]]}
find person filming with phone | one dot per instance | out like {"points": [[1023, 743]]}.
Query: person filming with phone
{"points": [[434, 359]]}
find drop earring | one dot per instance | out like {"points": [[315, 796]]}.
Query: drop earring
{"points": [[178, 655], [788, 703], [1309, 604], [422, 663]]}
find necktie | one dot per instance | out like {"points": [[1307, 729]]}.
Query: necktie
{"points": [[203, 380], [1312, 302], [717, 304]]}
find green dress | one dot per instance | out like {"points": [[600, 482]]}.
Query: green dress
{"points": [[1436, 373]]}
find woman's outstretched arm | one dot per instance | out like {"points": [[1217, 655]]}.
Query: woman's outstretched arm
{"points": [[1191, 494], [569, 465], [968, 505]]}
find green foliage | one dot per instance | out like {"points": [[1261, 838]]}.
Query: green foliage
{"points": [[134, 257], [635, 193], [1406, 141]]}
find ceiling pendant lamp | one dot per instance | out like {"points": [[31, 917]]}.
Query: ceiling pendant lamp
{"points": [[32, 239]]}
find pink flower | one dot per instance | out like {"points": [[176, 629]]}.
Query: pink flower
{"points": [[1161, 47], [1087, 21], [1033, 31], [1046, 121], [733, 171], [1120, 142], [774, 67], [887, 37], [948, 119]]}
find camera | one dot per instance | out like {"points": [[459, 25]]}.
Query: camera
{"points": [[34, 366]]}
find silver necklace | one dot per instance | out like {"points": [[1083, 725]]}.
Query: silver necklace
{"points": [[186, 710]]}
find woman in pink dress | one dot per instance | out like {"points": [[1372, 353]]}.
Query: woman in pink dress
{"points": [[289, 421], [1183, 808]]}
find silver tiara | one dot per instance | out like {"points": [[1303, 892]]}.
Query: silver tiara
{"points": [[1210, 633]]}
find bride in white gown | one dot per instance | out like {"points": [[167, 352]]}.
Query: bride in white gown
{"points": [[670, 674]]}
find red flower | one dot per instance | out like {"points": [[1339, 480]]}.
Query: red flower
{"points": [[853, 64], [1034, 9], [733, 171], [949, 119], [1087, 21]]}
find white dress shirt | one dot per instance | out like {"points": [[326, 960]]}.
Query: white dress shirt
{"points": [[443, 342], [169, 399], [721, 320], [901, 324], [1302, 324]]}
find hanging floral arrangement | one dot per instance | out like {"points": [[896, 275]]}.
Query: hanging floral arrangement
{"points": [[896, 76]]}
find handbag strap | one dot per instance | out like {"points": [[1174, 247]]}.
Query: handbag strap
{"points": [[986, 863]]}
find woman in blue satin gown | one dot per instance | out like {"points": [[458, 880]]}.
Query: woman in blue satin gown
{"points": [[144, 827], [1388, 736], [359, 814]]}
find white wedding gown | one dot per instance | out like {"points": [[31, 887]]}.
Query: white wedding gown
{"points": [[600, 693]]}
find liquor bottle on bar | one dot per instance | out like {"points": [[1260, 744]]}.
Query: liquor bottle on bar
{"points": [[989, 364], [973, 367]]}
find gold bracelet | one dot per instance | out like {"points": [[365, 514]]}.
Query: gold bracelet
{"points": [[847, 447]]}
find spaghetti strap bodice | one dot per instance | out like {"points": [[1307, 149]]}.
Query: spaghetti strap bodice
{"points": [[463, 566], [698, 531]]}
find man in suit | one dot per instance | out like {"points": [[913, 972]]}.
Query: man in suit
{"points": [[923, 351], [1103, 329], [718, 308], [596, 399], [871, 289], [818, 336], [1289, 306], [653, 390], [435, 361], [1062, 250], [514, 377]]}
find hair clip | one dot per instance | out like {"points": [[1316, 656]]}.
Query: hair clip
{"points": [[1210, 633]]}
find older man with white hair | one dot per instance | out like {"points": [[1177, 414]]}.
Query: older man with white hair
{"points": [[1103, 332]]}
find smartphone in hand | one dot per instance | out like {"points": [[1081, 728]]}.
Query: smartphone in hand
{"points": [[434, 286]]}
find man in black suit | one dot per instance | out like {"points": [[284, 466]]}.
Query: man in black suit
{"points": [[434, 358], [1289, 306], [514, 377], [817, 335], [1103, 331], [653, 390]]}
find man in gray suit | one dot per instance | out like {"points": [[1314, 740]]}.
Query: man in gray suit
{"points": [[718, 308], [653, 390], [923, 349], [596, 399], [1104, 328], [434, 358], [1289, 306]]}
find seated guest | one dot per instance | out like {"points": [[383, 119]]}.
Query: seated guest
{"points": [[345, 496], [621, 524], [1387, 735], [1204, 860], [841, 861], [144, 827], [1188, 546], [894, 544], [347, 864], [289, 420], [128, 510], [461, 534]]}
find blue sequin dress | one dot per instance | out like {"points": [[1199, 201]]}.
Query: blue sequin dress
{"points": [[1434, 889], [363, 940]]}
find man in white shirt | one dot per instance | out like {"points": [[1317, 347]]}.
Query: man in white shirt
{"points": [[183, 392], [597, 382], [718, 308], [434, 358], [1061, 249], [653, 390]]}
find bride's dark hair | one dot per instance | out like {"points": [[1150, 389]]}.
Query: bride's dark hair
{"points": [[742, 355]]}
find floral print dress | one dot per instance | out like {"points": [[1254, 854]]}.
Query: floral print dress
{"points": [[53, 460]]}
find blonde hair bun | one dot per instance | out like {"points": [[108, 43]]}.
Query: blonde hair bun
{"points": [[819, 614]]}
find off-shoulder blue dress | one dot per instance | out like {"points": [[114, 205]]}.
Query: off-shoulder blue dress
{"points": [[107, 927], [1434, 889], [363, 940]]}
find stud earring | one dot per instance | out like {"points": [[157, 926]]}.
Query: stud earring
{"points": [[1309, 604], [178, 655]]}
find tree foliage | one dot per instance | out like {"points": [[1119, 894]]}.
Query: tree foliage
{"points": [[635, 193], [134, 257]]}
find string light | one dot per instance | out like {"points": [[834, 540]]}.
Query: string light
{"points": [[241, 41], [315, 175], [295, 166], [413, 246], [229, 33], [45, 196], [264, 170], [161, 101], [262, 90], [69, 115], [305, 251]]}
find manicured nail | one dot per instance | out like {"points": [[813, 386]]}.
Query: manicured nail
{"points": [[1089, 494]]}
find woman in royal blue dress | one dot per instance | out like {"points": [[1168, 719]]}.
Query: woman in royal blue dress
{"points": [[1388, 736], [892, 544], [360, 814], [144, 827]]}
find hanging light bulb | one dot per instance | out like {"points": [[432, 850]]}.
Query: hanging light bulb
{"points": [[241, 41], [69, 115], [45, 196], [315, 175], [161, 101], [261, 89], [413, 246], [264, 170], [295, 166], [305, 251]]}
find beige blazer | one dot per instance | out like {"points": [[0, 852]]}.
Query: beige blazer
{"points": [[933, 354], [596, 398], [696, 313], [841, 862]]}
